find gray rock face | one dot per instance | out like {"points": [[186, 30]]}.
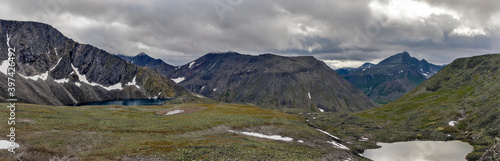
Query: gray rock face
{"points": [[391, 78], [53, 69], [270, 81]]}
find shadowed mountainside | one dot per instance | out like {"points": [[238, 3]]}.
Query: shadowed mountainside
{"points": [[55, 70], [266, 80]]}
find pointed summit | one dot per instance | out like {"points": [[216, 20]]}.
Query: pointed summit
{"points": [[142, 54], [400, 58], [404, 54], [144, 60], [367, 65]]}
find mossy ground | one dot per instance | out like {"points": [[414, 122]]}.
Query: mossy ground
{"points": [[118, 132]]}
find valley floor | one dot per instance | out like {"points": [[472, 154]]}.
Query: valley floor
{"points": [[168, 132]]}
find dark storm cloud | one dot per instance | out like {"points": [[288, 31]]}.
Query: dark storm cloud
{"points": [[357, 31]]}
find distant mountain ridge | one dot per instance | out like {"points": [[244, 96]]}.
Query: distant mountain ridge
{"points": [[53, 69], [266, 80], [391, 78], [144, 60]]}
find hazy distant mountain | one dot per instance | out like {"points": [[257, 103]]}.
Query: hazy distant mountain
{"points": [[461, 99], [144, 60], [267, 80], [53, 69], [391, 78]]}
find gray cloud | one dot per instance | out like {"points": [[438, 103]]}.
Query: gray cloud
{"points": [[181, 31]]}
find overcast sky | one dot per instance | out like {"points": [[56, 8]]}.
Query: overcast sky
{"points": [[340, 32]]}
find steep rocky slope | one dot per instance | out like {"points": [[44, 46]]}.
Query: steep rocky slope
{"points": [[53, 69], [268, 80]]}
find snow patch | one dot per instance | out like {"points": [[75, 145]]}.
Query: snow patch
{"points": [[198, 95], [426, 75], [272, 137], [328, 134], [174, 112], [215, 89], [42, 76], [178, 80], [78, 84], [202, 88], [133, 83], [4, 67], [363, 139], [51, 69], [363, 70], [4, 144], [452, 123], [83, 79], [300, 141], [338, 145], [55, 49], [8, 39], [65, 80], [309, 94], [212, 66], [321, 110], [117, 86], [191, 64]]}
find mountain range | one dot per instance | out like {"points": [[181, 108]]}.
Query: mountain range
{"points": [[457, 102], [391, 78], [266, 80], [55, 70]]}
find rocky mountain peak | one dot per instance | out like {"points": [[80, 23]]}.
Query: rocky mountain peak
{"points": [[367, 65], [400, 58], [391, 78], [142, 54]]}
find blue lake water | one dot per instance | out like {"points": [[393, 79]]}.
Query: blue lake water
{"points": [[132, 102], [420, 151]]}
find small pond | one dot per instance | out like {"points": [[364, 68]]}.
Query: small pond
{"points": [[420, 151]]}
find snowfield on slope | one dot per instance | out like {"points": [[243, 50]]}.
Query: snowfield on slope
{"points": [[272, 137]]}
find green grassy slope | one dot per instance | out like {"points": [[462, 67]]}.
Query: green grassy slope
{"points": [[135, 132], [466, 91]]}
